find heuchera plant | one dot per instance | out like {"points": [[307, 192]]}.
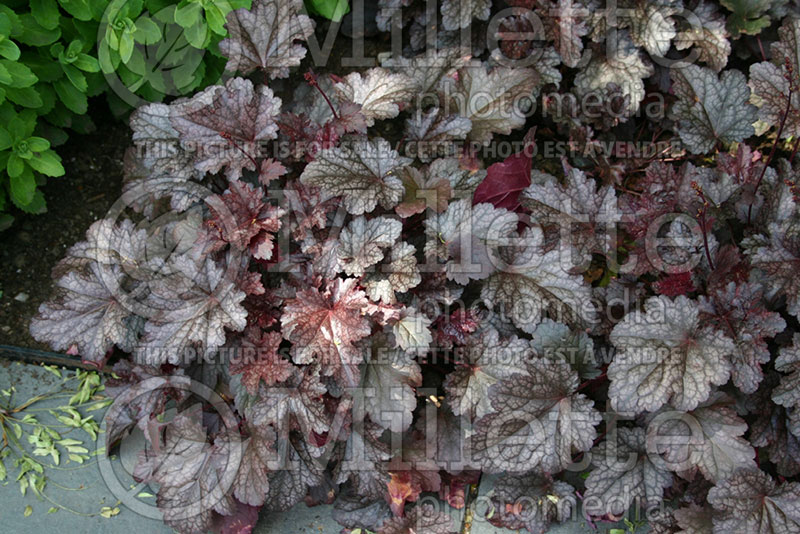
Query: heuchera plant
{"points": [[367, 315]]}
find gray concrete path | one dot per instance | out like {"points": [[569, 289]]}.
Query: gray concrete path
{"points": [[97, 484]]}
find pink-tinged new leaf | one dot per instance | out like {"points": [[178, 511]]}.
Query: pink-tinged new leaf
{"points": [[411, 475], [258, 360], [324, 326], [240, 217], [270, 170], [242, 521]]}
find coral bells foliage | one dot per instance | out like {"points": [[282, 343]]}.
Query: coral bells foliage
{"points": [[375, 305]]}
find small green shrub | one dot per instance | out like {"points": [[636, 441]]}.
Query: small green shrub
{"points": [[56, 54]]}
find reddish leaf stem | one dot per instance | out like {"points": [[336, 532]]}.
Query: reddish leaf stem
{"points": [[311, 78], [790, 78], [701, 214], [761, 48], [228, 137]]}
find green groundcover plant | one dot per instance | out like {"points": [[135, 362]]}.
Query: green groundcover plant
{"points": [[56, 54], [553, 244]]}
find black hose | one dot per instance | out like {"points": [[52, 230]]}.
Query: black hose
{"points": [[38, 357]]}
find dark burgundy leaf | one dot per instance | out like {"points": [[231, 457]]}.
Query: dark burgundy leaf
{"points": [[505, 181]]}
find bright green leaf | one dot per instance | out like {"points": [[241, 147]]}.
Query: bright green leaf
{"points": [[14, 168], [9, 50], [27, 97], [197, 34], [216, 19], [86, 63], [75, 77], [47, 163], [77, 8], [5, 139], [37, 206], [5, 76], [40, 144], [71, 97], [22, 187], [21, 75], [74, 48], [5, 25], [126, 45], [147, 32], [188, 14], [330, 9], [32, 33], [21, 125]]}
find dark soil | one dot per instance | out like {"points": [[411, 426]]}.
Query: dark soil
{"points": [[34, 243]]}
